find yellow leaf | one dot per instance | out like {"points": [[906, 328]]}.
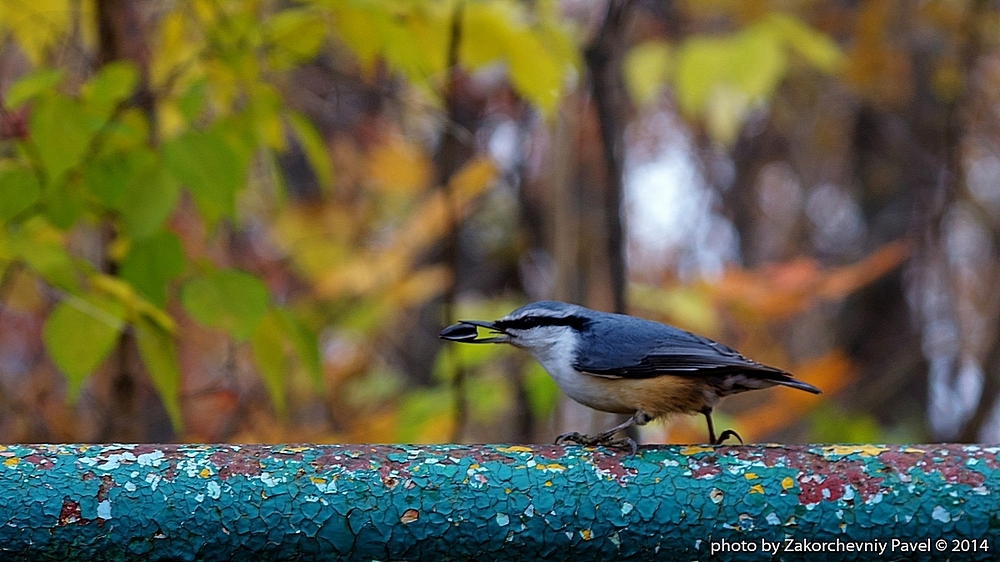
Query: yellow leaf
{"points": [[295, 36], [358, 28], [726, 109], [176, 53], [430, 26], [22, 293], [314, 148], [488, 43], [818, 49], [538, 56], [36, 25], [472, 179], [398, 47], [399, 166], [646, 68], [534, 72]]}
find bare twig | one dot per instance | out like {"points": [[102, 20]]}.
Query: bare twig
{"points": [[604, 59], [447, 162]]}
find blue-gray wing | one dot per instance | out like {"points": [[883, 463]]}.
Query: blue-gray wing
{"points": [[630, 347], [639, 349]]}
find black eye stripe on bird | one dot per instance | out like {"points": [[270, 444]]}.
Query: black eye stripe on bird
{"points": [[528, 322], [627, 365]]}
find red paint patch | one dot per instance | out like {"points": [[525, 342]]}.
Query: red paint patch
{"points": [[704, 467], [230, 463], [70, 513], [902, 461], [830, 481], [550, 452], [815, 489], [39, 461], [944, 461], [483, 455], [611, 465], [390, 476], [989, 458], [866, 485], [106, 484], [954, 471]]}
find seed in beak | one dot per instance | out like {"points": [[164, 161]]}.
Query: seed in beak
{"points": [[459, 332]]}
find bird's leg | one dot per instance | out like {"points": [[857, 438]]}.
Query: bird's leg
{"points": [[711, 430], [606, 437]]}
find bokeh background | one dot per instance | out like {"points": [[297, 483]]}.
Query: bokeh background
{"points": [[230, 220]]}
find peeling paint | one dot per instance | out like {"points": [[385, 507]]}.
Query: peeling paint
{"points": [[447, 502]]}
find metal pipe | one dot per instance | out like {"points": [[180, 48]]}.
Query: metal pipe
{"points": [[489, 502]]}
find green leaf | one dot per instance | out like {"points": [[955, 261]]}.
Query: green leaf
{"points": [[159, 354], [149, 199], [64, 202], [756, 62], [314, 149], [19, 190], [112, 84], [32, 84], [42, 248], [151, 263], [209, 168], [60, 130], [646, 68], [79, 334], [722, 79], [230, 300], [295, 36], [268, 346], [107, 177], [304, 341], [192, 102]]}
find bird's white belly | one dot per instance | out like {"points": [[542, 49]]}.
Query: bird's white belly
{"points": [[557, 357], [589, 390]]}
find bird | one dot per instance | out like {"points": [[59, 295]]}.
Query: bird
{"points": [[626, 365]]}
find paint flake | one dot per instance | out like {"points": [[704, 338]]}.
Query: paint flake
{"points": [[940, 514]]}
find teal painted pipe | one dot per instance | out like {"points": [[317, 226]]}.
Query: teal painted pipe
{"points": [[490, 502]]}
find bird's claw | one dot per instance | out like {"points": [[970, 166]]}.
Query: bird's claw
{"points": [[726, 435], [597, 440]]}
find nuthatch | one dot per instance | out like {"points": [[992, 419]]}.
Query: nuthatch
{"points": [[626, 365]]}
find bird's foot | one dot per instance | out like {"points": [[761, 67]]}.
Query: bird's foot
{"points": [[597, 440], [726, 435]]}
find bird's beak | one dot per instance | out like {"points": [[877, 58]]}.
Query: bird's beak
{"points": [[465, 331]]}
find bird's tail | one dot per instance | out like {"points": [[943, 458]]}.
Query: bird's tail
{"points": [[796, 383]]}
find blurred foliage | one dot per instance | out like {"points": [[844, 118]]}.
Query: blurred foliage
{"points": [[96, 167], [241, 207], [722, 79]]}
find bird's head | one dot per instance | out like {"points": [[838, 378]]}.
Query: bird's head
{"points": [[536, 326]]}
